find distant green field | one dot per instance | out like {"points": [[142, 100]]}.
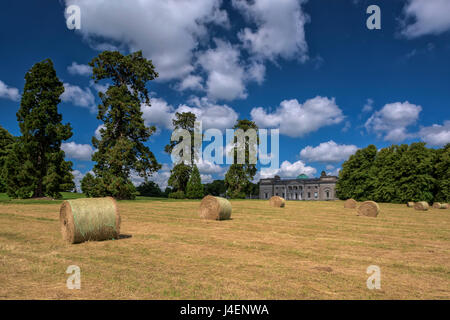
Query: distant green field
{"points": [[66, 196]]}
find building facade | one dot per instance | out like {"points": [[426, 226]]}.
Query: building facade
{"points": [[300, 188]]}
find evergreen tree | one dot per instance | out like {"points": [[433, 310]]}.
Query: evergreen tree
{"points": [[88, 185], [194, 189], [36, 165], [442, 174], [186, 121], [238, 176], [6, 141], [121, 147], [179, 177], [149, 189], [215, 188]]}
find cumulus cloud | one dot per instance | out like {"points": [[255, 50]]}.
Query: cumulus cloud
{"points": [[280, 28], [208, 167], [9, 92], [167, 31], [422, 17], [79, 97], [77, 151], [392, 121], [79, 69], [191, 82], [212, 115], [287, 170], [436, 135], [296, 120], [225, 74], [206, 178], [328, 152]]}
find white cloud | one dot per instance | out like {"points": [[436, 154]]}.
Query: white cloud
{"points": [[212, 115], [9, 92], [79, 69], [191, 82], [368, 107], [392, 120], [159, 113], [79, 97], [287, 170], [424, 17], [280, 28], [225, 74], [328, 152], [208, 167], [98, 134], [206, 178], [296, 120], [167, 31], [436, 135], [77, 151]]}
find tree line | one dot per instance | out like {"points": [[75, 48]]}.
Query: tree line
{"points": [[397, 174], [33, 164]]}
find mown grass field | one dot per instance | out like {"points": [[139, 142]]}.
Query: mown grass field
{"points": [[308, 250]]}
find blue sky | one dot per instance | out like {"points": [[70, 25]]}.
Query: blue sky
{"points": [[311, 68]]}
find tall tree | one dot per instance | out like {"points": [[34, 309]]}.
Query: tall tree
{"points": [[239, 175], [179, 177], [121, 148], [442, 174], [415, 171], [36, 165], [194, 188], [356, 178], [6, 141], [215, 188], [186, 121]]}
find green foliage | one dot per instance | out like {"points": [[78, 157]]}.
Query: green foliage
{"points": [[194, 188], [177, 195], [88, 185], [35, 167], [6, 141], [443, 174], [121, 147], [395, 174], [185, 121], [149, 189], [238, 177], [179, 177], [216, 188]]}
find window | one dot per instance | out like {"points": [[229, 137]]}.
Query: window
{"points": [[315, 195], [328, 194], [266, 195], [309, 195]]}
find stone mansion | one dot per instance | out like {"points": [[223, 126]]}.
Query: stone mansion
{"points": [[301, 188]]}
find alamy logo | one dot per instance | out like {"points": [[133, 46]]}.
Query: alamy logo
{"points": [[374, 281], [374, 21], [73, 17], [74, 280], [241, 147]]}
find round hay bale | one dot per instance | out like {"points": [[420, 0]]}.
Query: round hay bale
{"points": [[215, 208], [437, 205], [369, 209], [93, 219], [422, 206], [350, 204], [277, 202], [445, 206], [410, 204]]}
